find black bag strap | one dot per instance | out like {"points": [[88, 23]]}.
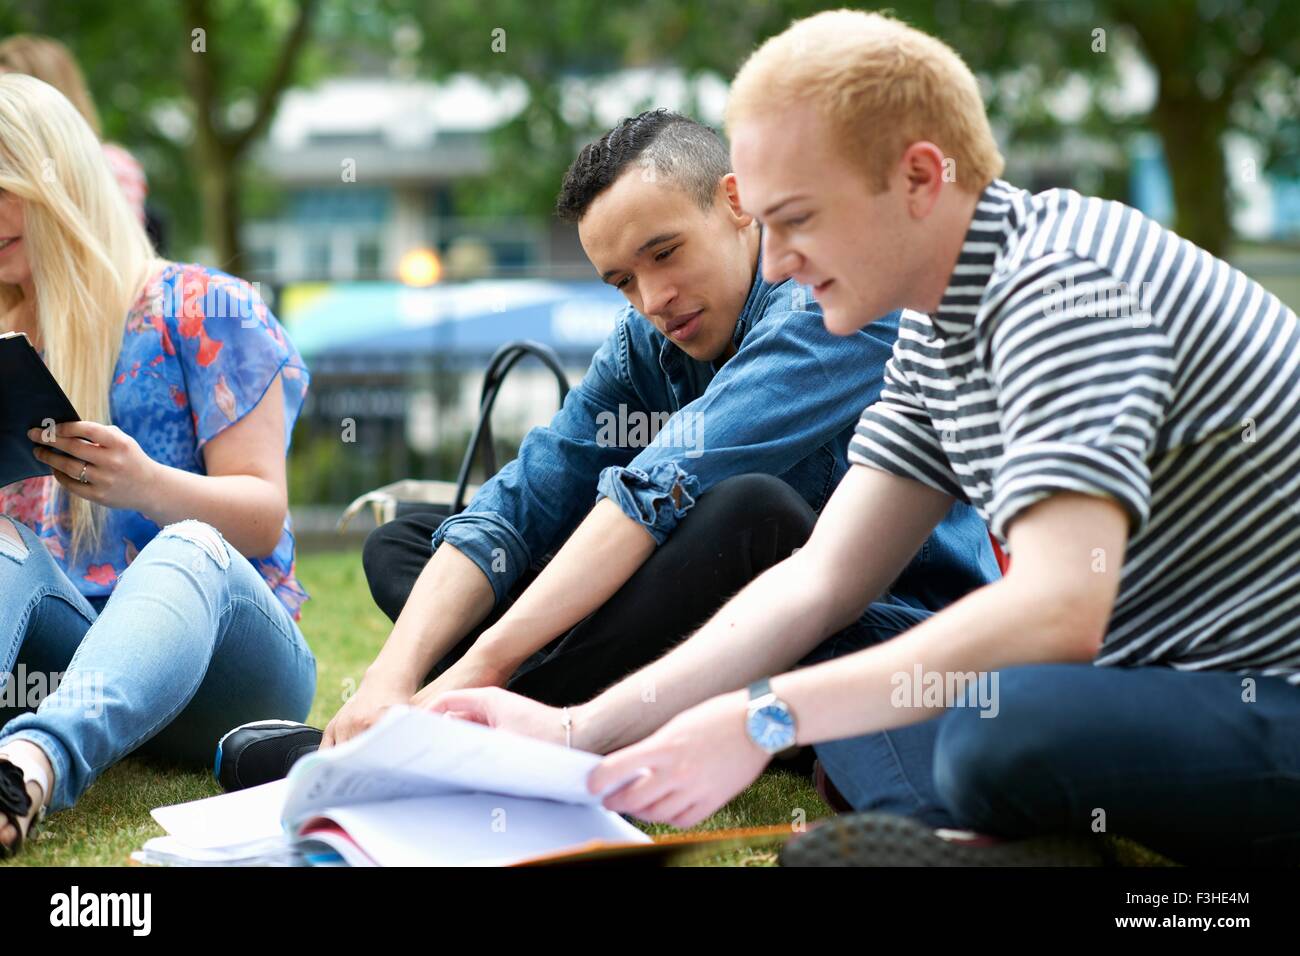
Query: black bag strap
{"points": [[502, 361]]}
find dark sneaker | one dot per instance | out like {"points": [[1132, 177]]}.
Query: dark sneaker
{"points": [[881, 839], [262, 751]]}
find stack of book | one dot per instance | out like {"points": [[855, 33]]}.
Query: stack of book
{"points": [[416, 789]]}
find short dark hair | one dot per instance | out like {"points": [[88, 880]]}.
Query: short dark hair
{"points": [[678, 148]]}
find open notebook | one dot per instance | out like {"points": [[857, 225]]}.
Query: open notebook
{"points": [[416, 789]]}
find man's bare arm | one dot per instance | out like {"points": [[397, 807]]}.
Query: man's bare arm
{"points": [[597, 559], [867, 533], [450, 597], [1053, 606]]}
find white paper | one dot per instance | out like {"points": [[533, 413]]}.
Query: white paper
{"points": [[412, 752], [244, 816], [171, 851]]}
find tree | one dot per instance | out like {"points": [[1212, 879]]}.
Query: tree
{"points": [[1212, 70], [190, 87], [219, 146], [1221, 66]]}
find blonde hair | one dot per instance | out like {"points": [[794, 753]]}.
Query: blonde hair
{"points": [[49, 60], [89, 255], [880, 85]]}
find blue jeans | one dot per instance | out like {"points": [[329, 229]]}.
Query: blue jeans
{"points": [[1201, 766], [190, 643]]}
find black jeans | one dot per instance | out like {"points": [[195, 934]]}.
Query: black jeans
{"points": [[738, 529]]}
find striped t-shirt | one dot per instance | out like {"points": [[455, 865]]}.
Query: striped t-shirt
{"points": [[1081, 347]]}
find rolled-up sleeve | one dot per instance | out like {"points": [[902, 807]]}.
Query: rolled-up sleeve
{"points": [[1084, 381], [655, 499], [491, 542], [791, 388]]}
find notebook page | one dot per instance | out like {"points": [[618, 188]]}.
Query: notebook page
{"points": [[227, 819], [412, 752], [476, 829]]}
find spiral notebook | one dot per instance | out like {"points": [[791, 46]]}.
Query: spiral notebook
{"points": [[29, 398], [416, 789]]}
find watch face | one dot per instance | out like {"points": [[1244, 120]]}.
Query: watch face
{"points": [[772, 728]]}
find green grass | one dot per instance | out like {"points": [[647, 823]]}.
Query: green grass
{"points": [[345, 630]]}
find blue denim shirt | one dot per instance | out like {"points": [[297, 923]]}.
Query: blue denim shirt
{"points": [[785, 404]]}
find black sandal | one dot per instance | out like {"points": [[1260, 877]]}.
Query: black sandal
{"points": [[15, 804]]}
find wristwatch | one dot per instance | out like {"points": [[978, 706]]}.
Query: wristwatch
{"points": [[769, 722]]}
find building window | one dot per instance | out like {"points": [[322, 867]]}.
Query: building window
{"points": [[261, 260], [368, 256], [318, 258]]}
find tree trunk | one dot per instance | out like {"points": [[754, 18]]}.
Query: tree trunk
{"points": [[218, 152], [1192, 129], [1191, 124], [220, 204]]}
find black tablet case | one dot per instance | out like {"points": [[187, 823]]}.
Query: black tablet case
{"points": [[29, 397]]}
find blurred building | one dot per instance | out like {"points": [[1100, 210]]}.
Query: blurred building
{"points": [[363, 170], [365, 167]]}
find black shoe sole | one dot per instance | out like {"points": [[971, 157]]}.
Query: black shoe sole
{"points": [[879, 839]]}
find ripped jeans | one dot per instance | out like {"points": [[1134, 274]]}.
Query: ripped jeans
{"points": [[191, 643]]}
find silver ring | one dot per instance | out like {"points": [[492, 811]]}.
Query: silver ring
{"points": [[82, 477]]}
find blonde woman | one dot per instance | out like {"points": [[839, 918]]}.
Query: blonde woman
{"points": [[154, 569], [47, 59]]}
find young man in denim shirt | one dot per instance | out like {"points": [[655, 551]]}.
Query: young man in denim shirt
{"points": [[755, 402]]}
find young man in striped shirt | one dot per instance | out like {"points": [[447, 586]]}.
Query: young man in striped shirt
{"points": [[1122, 408]]}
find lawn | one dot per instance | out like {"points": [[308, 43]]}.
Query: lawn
{"points": [[345, 630]]}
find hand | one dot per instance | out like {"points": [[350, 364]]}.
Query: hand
{"points": [[363, 709], [467, 673], [690, 767], [117, 471], [500, 708]]}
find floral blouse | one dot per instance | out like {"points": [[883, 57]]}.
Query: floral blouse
{"points": [[199, 351]]}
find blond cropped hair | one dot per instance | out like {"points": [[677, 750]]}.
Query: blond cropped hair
{"points": [[881, 85]]}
